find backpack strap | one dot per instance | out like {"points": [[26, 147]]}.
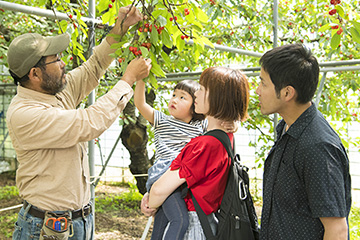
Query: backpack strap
{"points": [[224, 139]]}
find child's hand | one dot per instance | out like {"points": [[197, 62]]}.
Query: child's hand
{"points": [[230, 127], [145, 206]]}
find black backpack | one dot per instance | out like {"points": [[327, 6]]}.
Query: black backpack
{"points": [[237, 216]]}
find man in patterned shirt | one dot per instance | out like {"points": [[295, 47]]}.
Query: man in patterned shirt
{"points": [[307, 186]]}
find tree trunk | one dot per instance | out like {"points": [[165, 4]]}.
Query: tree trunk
{"points": [[134, 137]]}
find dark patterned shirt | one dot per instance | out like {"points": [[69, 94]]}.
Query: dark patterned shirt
{"points": [[306, 177]]}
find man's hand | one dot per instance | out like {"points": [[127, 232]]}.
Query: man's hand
{"points": [[138, 69], [145, 206], [130, 15]]}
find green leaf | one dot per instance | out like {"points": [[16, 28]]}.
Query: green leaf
{"points": [[102, 6], [106, 17], [206, 41], [63, 25], [340, 10], [355, 34], [144, 51], [153, 80], [81, 56], [197, 26], [200, 15], [159, 12], [165, 56], [191, 17], [335, 41], [165, 38], [156, 69], [356, 25], [154, 36], [180, 43], [162, 20], [324, 27]]}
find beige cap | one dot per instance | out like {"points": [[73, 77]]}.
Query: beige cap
{"points": [[26, 50]]}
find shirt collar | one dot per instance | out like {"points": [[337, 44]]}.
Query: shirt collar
{"points": [[300, 124], [37, 96]]}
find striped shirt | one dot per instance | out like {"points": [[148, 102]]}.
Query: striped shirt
{"points": [[171, 135]]}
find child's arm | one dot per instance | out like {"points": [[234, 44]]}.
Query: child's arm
{"points": [[140, 102]]}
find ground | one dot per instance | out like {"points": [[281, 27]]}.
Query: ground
{"points": [[124, 224]]}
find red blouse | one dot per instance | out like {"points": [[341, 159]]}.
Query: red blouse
{"points": [[204, 163]]}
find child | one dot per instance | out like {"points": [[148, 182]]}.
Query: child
{"points": [[172, 133]]}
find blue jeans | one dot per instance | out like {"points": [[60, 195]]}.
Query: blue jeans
{"points": [[29, 227], [173, 213]]}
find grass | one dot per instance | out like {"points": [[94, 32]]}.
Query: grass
{"points": [[127, 200], [8, 192], [130, 201]]}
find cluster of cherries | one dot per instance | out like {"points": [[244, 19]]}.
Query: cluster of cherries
{"points": [[337, 27], [172, 18], [135, 51], [186, 11], [147, 45], [334, 2], [148, 28]]}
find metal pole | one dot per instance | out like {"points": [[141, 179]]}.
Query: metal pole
{"points": [[40, 12], [229, 49], [318, 95], [91, 100], [275, 22]]}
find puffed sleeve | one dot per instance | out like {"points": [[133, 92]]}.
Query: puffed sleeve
{"points": [[199, 159]]}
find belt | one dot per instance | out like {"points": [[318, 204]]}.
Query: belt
{"points": [[83, 212]]}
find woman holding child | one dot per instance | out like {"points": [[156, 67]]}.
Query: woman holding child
{"points": [[203, 163]]}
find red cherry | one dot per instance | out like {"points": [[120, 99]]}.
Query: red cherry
{"points": [[171, 19], [332, 11], [147, 25], [186, 10], [112, 1], [182, 37], [175, 18], [71, 58], [70, 16], [110, 5], [140, 29]]}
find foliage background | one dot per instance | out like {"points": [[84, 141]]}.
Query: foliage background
{"points": [[243, 24]]}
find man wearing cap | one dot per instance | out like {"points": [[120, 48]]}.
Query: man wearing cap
{"points": [[49, 132]]}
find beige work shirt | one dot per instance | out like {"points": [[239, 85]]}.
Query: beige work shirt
{"points": [[50, 135]]}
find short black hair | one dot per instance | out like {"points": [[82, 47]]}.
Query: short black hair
{"points": [[25, 78], [292, 65]]}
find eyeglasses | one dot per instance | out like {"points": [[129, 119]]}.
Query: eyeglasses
{"points": [[57, 60]]}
